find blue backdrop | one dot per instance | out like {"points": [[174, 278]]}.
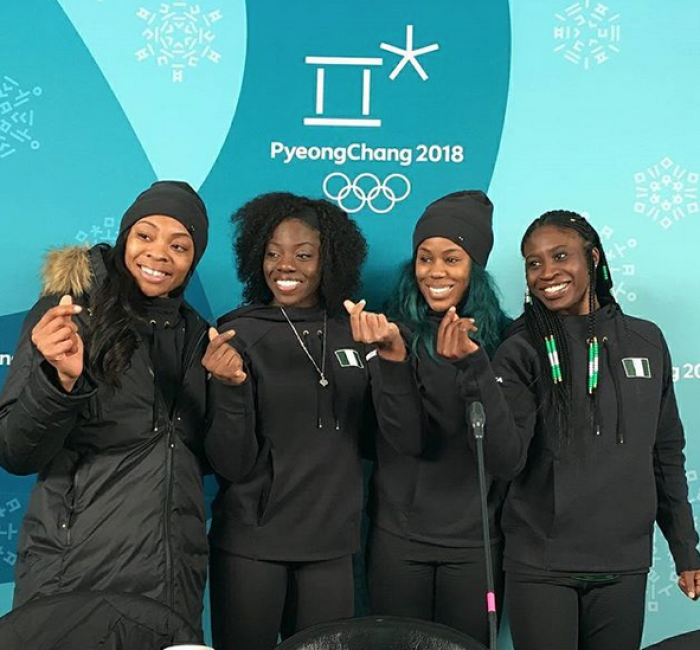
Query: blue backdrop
{"points": [[381, 107]]}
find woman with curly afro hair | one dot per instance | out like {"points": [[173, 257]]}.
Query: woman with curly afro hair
{"points": [[287, 517]]}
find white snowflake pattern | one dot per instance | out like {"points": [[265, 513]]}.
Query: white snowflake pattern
{"points": [[621, 267], [179, 35], [666, 192], [663, 580], [10, 521], [107, 232], [587, 35], [16, 116]]}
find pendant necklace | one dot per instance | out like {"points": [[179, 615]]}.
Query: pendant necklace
{"points": [[322, 370]]}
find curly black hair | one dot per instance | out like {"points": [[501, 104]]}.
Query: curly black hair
{"points": [[343, 247]]}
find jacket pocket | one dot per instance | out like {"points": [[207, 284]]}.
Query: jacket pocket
{"points": [[252, 501], [268, 493], [36, 574]]}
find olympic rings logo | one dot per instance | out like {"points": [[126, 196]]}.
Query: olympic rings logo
{"points": [[367, 190]]}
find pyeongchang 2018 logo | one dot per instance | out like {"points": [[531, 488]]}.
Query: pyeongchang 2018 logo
{"points": [[369, 186]]}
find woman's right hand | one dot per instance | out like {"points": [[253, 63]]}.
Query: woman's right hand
{"points": [[58, 341], [453, 341], [376, 329], [222, 360]]}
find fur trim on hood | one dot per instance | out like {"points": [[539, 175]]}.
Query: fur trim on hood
{"points": [[67, 271]]}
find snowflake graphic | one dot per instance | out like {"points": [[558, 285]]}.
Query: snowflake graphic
{"points": [[621, 268], [11, 513], [666, 192], [16, 116], [663, 580], [179, 36], [587, 35], [107, 232]]}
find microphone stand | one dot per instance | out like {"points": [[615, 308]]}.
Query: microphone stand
{"points": [[477, 418]]}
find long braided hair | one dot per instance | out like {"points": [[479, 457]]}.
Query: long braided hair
{"points": [[546, 327]]}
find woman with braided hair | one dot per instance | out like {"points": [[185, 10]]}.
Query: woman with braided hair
{"points": [[581, 416]]}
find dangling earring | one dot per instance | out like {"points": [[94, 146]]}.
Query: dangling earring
{"points": [[528, 297]]}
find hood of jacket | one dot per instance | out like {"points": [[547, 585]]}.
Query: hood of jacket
{"points": [[273, 314], [73, 270]]}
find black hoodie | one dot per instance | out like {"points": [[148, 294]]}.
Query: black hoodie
{"points": [[290, 470], [588, 505], [434, 497]]}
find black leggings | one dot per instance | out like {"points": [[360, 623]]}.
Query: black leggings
{"points": [[552, 613], [251, 600], [449, 592]]}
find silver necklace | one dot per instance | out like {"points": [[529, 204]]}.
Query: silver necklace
{"points": [[322, 370]]}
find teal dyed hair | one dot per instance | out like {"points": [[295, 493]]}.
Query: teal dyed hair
{"points": [[482, 303]]}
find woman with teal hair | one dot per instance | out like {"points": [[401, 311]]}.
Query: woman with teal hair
{"points": [[425, 555]]}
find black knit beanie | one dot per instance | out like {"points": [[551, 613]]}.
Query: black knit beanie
{"points": [[174, 199], [464, 217]]}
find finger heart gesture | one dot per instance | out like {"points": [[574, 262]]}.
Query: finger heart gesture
{"points": [[58, 341], [376, 329], [222, 360], [453, 340]]}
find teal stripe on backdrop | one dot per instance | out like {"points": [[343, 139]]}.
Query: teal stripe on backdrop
{"points": [[179, 91]]}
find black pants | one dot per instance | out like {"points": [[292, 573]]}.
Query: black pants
{"points": [[252, 600], [552, 613], [444, 591]]}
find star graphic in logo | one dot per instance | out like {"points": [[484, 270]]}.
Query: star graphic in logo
{"points": [[409, 55]]}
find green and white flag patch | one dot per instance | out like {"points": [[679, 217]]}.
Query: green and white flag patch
{"points": [[637, 367], [349, 358]]}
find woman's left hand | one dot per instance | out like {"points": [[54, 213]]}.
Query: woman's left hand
{"points": [[689, 583], [223, 361], [453, 341], [376, 329]]}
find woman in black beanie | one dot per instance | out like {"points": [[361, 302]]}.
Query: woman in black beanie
{"points": [[425, 554], [106, 401]]}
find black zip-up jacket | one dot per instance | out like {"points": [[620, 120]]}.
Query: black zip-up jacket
{"points": [[290, 469], [119, 502], [434, 497], [588, 505]]}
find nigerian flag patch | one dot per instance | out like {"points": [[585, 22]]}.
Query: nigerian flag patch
{"points": [[637, 367], [349, 358]]}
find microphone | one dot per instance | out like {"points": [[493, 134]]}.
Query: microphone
{"points": [[477, 418]]}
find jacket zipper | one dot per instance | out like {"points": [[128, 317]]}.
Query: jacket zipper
{"points": [[170, 442], [612, 366], [67, 524], [168, 498]]}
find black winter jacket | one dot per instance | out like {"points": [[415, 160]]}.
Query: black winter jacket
{"points": [[119, 503], [291, 490], [87, 620], [588, 505]]}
